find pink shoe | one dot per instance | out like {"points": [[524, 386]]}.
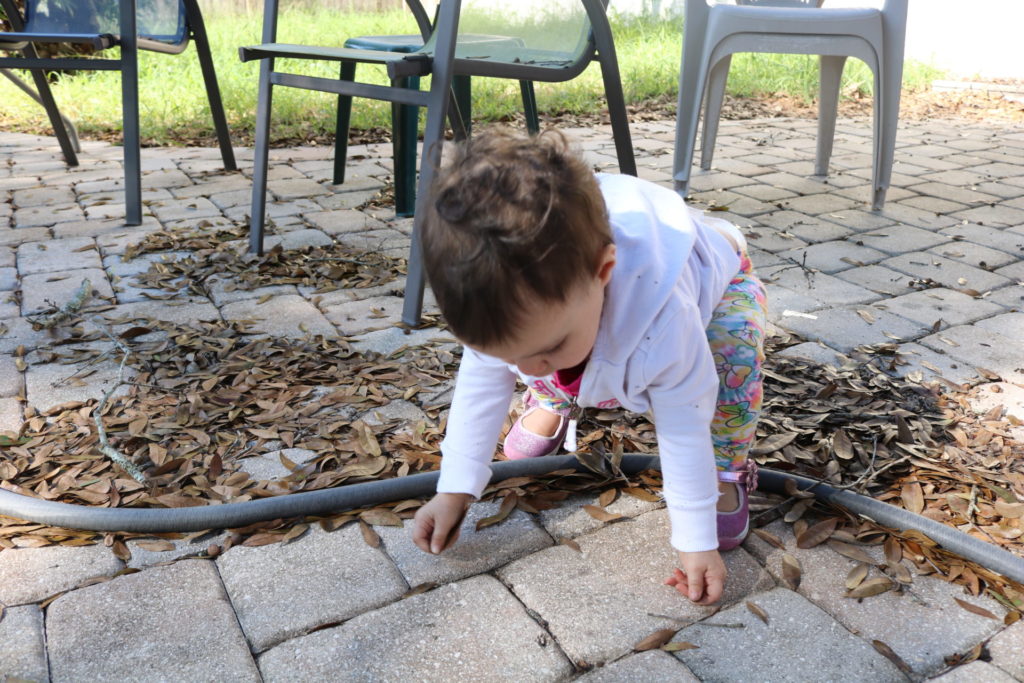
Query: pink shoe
{"points": [[734, 526], [522, 443]]}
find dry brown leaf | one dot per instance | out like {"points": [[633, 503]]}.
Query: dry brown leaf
{"points": [[891, 655], [1009, 510], [1011, 618], [642, 494], [508, 504], [856, 575], [262, 539], [155, 546], [769, 537], [380, 517], [601, 514], [797, 511], [607, 497], [571, 543], [871, 587], [974, 609], [371, 537], [121, 551], [655, 640], [851, 551], [817, 534], [842, 446], [678, 646], [791, 571], [757, 611], [912, 497], [295, 532]]}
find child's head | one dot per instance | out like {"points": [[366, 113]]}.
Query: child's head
{"points": [[515, 226]]}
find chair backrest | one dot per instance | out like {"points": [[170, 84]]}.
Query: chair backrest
{"points": [[554, 33], [160, 21]]}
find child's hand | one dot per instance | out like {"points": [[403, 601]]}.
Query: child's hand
{"points": [[702, 577], [436, 524]]}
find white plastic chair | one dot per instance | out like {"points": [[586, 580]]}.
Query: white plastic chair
{"points": [[713, 33]]}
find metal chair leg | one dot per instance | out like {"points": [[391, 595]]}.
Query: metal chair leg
{"points": [[530, 107], [130, 113], [220, 121], [343, 124]]}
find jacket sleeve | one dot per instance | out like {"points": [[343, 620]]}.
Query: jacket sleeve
{"points": [[483, 391], [683, 389]]}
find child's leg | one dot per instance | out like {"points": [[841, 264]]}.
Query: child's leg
{"points": [[736, 338], [553, 406]]}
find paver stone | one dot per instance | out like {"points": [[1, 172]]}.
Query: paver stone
{"points": [[473, 630], [598, 604], [33, 574], [799, 643], [474, 553], [171, 622], [644, 667], [22, 646]]}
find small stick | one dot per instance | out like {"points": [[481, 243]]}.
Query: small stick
{"points": [[105, 447]]}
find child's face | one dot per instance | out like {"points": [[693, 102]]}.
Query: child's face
{"points": [[559, 335]]}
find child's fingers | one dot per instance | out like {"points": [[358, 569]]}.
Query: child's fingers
{"points": [[677, 578], [695, 583], [715, 587], [421, 534]]}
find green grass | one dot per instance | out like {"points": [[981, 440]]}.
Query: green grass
{"points": [[174, 108]]}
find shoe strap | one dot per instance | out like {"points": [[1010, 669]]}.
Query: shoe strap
{"points": [[746, 476]]}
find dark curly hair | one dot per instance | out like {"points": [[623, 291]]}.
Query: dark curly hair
{"points": [[509, 219]]}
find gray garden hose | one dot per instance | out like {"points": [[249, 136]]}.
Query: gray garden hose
{"points": [[335, 500]]}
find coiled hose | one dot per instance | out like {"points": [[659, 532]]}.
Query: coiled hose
{"points": [[332, 501]]}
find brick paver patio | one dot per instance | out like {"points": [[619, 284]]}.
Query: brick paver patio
{"points": [[939, 272]]}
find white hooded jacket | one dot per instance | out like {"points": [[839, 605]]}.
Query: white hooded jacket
{"points": [[651, 354]]}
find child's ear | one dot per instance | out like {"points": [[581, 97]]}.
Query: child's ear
{"points": [[605, 264]]}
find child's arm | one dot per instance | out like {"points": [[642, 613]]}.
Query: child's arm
{"points": [[683, 388], [483, 391]]}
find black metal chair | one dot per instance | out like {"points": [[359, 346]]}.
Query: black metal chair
{"points": [[521, 49], [156, 25]]}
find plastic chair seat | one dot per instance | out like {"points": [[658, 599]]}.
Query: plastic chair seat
{"points": [[712, 34]]}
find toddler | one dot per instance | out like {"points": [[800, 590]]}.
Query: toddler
{"points": [[601, 291]]}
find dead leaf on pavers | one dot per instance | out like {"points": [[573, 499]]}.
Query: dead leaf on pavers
{"points": [[889, 654], [852, 552], [371, 537], [791, 571], [769, 537], [757, 611], [816, 534], [508, 504], [380, 516], [857, 574], [974, 609], [679, 646], [607, 497], [155, 546], [655, 640], [601, 514], [571, 543], [871, 587], [1011, 618]]}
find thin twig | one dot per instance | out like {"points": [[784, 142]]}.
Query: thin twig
{"points": [[105, 447]]}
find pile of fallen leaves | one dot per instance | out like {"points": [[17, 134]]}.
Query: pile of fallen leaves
{"points": [[213, 252], [201, 398]]}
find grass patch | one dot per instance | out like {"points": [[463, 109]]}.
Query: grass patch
{"points": [[174, 109]]}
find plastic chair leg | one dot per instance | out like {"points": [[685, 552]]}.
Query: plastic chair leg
{"points": [[260, 161], [530, 107], [341, 127], [713, 109], [405, 132], [889, 110], [691, 91], [831, 75]]}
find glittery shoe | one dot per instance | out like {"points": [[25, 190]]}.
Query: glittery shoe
{"points": [[522, 443], [734, 526]]}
